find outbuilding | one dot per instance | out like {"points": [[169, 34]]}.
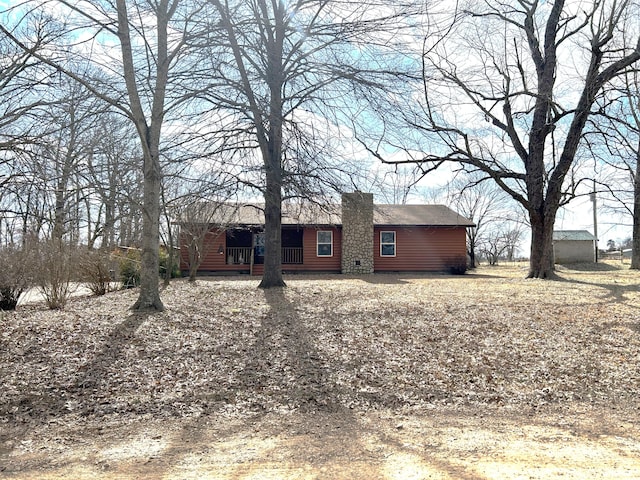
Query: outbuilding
{"points": [[574, 246]]}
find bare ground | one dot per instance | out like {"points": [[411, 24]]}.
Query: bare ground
{"points": [[482, 376]]}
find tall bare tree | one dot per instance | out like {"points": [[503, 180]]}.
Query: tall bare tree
{"points": [[287, 74], [146, 74], [112, 175], [507, 91], [615, 142], [23, 83]]}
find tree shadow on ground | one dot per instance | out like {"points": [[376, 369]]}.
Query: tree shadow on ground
{"points": [[284, 365], [616, 292], [95, 374], [389, 278], [293, 403], [400, 278], [589, 267]]}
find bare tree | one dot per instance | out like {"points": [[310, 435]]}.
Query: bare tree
{"points": [[502, 241], [23, 84], [615, 142], [62, 154], [396, 184], [288, 70], [112, 174], [202, 221], [494, 97], [146, 73], [484, 203]]}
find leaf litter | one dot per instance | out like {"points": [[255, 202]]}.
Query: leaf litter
{"points": [[324, 345]]}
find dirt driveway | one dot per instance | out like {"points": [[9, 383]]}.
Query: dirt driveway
{"points": [[376, 445]]}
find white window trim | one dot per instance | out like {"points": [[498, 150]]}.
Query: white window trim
{"points": [[318, 243], [395, 246]]}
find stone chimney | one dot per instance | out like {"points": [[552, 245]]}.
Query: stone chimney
{"points": [[357, 233]]}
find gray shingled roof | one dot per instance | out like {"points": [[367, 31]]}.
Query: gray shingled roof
{"points": [[312, 214], [573, 235], [436, 215]]}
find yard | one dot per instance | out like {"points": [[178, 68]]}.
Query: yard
{"points": [[390, 376]]}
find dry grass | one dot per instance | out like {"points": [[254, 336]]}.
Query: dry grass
{"points": [[489, 341]]}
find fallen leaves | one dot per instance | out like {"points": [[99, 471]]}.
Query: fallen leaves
{"points": [[325, 343]]}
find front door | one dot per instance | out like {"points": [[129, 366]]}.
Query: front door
{"points": [[258, 248]]}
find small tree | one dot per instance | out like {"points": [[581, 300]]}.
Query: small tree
{"points": [[196, 219], [501, 242]]}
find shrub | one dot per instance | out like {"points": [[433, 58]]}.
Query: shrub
{"points": [[457, 265], [56, 268], [129, 267], [96, 269], [16, 275], [164, 264], [9, 296]]}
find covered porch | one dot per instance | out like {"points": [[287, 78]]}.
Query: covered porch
{"points": [[246, 247]]}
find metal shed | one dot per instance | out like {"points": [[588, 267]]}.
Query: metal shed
{"points": [[574, 246]]}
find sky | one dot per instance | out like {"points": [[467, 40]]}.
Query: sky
{"points": [[578, 215]]}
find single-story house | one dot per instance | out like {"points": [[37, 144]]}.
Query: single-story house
{"points": [[355, 237], [574, 246]]}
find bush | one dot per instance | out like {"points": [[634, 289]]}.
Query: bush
{"points": [[164, 265], [56, 268], [457, 265], [130, 262], [16, 275], [96, 269], [9, 296], [129, 267]]}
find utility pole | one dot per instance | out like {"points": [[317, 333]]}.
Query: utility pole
{"points": [[595, 222]]}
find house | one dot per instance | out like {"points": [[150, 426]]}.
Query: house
{"points": [[574, 246], [356, 237]]}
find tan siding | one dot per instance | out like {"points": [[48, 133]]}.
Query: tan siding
{"points": [[421, 248], [569, 251]]}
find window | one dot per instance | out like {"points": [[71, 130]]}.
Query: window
{"points": [[387, 244], [324, 243]]}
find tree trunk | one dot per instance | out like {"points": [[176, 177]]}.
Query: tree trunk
{"points": [[471, 246], [541, 261], [195, 258], [149, 298], [272, 276], [635, 245]]}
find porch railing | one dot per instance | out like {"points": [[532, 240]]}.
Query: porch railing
{"points": [[238, 255], [242, 255], [291, 255]]}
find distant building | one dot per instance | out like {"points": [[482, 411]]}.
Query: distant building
{"points": [[574, 246]]}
